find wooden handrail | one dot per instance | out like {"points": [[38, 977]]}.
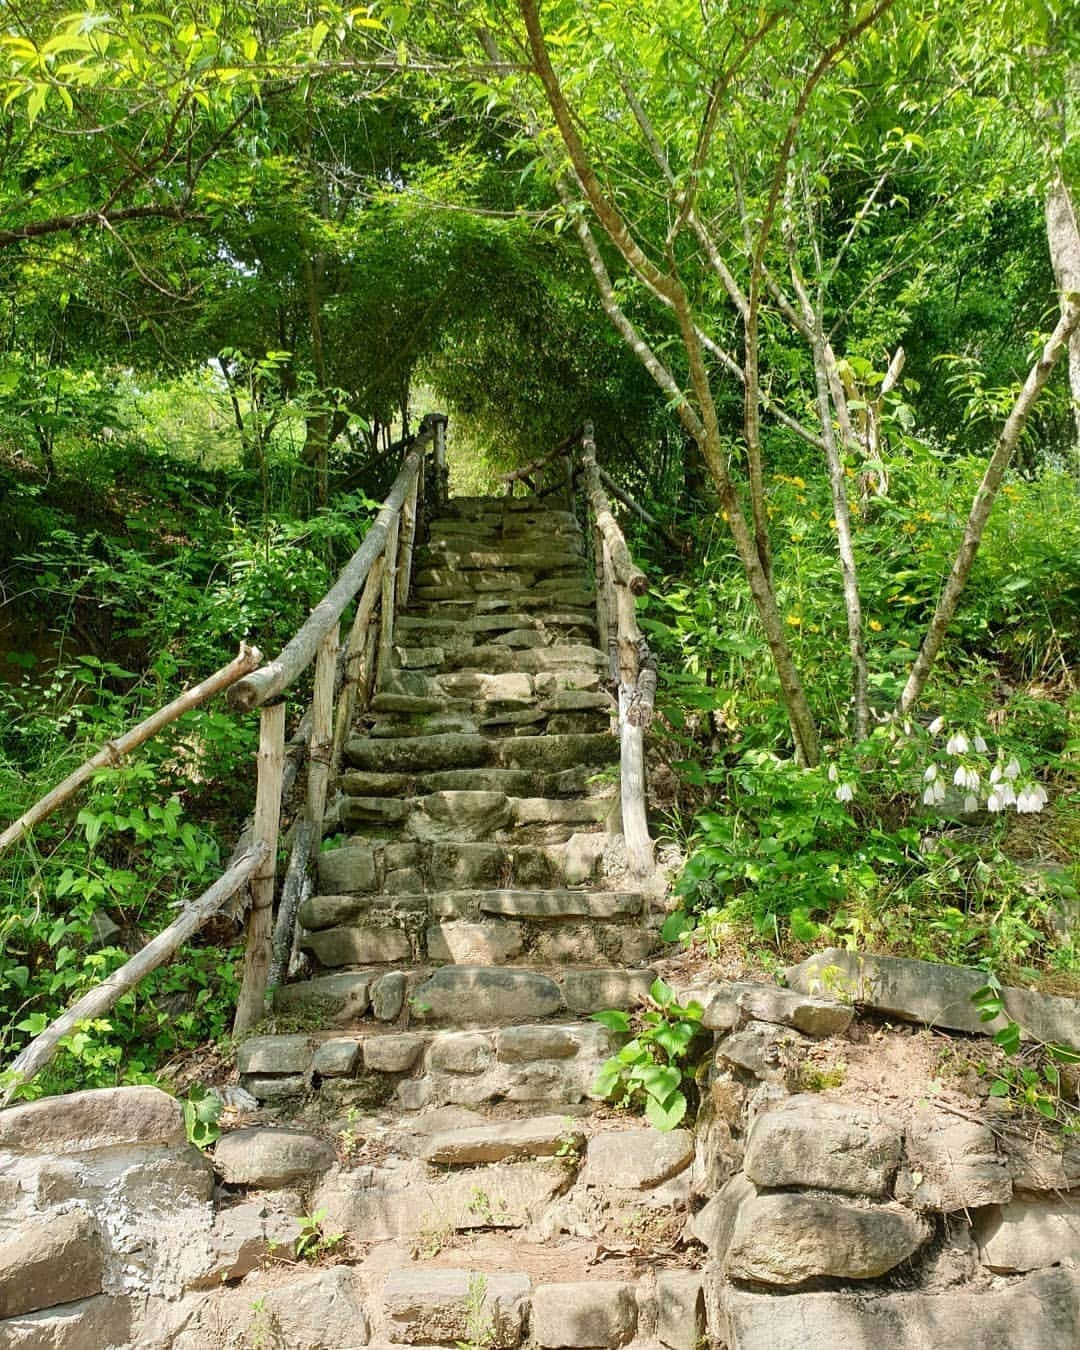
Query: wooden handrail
{"points": [[524, 474], [34, 1056], [113, 751]]}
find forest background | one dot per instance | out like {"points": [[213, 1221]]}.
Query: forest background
{"points": [[812, 271]]}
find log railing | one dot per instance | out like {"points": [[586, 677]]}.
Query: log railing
{"points": [[570, 466], [379, 572]]}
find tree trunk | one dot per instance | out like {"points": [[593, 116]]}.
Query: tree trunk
{"points": [[1063, 237]]}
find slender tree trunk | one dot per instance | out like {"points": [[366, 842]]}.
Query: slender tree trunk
{"points": [[1040, 372], [1063, 237]]}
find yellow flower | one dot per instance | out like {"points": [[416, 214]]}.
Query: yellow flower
{"points": [[815, 628], [794, 620], [832, 523], [909, 527], [875, 625]]}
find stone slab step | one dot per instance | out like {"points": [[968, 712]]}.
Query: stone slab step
{"points": [[474, 996], [514, 782], [550, 1062], [548, 754], [419, 627], [470, 816]]}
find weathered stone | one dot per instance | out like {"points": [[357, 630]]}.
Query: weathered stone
{"points": [[405, 1202], [281, 1089], [99, 1118], [475, 943], [517, 1045], [1043, 1162], [100, 1323], [532, 866], [468, 994], [241, 1238], [461, 815], [382, 784], [769, 1052], [399, 754], [53, 1259], [562, 904], [275, 1054], [358, 946], [581, 858], [349, 868], [388, 996], [637, 1159], [460, 1052], [392, 1054], [552, 753], [536, 1137], [336, 1058], [416, 658], [510, 687], [463, 866], [375, 810], [432, 1307], [311, 1312], [598, 1313], [951, 1164], [258, 1156], [680, 1300], [941, 996], [404, 881], [787, 1007], [788, 1239], [1029, 1234], [329, 911], [810, 1141], [342, 998], [588, 991], [713, 1225], [1041, 1312]]}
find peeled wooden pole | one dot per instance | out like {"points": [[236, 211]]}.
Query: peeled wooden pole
{"points": [[293, 889], [113, 751], [271, 761], [625, 570], [267, 682], [321, 750], [354, 655], [389, 604], [33, 1058], [616, 491], [408, 538]]}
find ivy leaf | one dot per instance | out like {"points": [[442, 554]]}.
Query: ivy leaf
{"points": [[666, 1115]]}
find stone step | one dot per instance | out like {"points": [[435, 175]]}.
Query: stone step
{"points": [[548, 754], [537, 558], [524, 721], [496, 928], [552, 1062], [466, 816], [514, 782], [420, 628], [467, 996], [433, 600], [468, 693]]}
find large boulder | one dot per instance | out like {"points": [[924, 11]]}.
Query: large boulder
{"points": [[53, 1259], [271, 1157], [99, 1118], [810, 1141]]}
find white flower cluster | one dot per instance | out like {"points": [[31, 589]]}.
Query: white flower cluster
{"points": [[1004, 788], [845, 792]]}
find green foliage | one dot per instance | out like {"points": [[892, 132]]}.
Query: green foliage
{"points": [[202, 1112], [652, 1068], [313, 1242], [1029, 1075]]}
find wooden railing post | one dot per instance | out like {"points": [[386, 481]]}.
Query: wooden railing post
{"points": [[271, 761], [408, 538], [321, 750], [356, 654], [440, 489], [389, 591]]}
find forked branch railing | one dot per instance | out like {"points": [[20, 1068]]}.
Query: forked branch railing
{"points": [[619, 581], [380, 571]]}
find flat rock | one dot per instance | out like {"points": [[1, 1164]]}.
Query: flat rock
{"points": [[372, 945], [1041, 1312], [588, 991], [342, 997], [951, 1164], [388, 995], [78, 1122], [475, 944], [53, 1259], [465, 815], [786, 1007], [535, 1137], [99, 1323], [810, 1141], [523, 1045], [637, 1159], [597, 1313], [469, 994], [562, 904], [680, 1309], [432, 1307], [937, 995], [330, 911], [392, 1054], [349, 868], [1029, 1234], [788, 1239], [259, 1156], [770, 1052], [1043, 1162], [240, 1240], [337, 1057], [275, 1054], [461, 1052]]}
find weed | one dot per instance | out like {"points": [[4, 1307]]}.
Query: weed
{"points": [[490, 1214], [480, 1330], [312, 1243], [202, 1111], [815, 1078], [434, 1235]]}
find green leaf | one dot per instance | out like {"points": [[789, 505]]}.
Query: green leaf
{"points": [[666, 1115], [661, 993], [1008, 1038], [999, 1088], [613, 1019]]}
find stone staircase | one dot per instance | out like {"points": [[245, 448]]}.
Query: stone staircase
{"points": [[473, 908]]}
